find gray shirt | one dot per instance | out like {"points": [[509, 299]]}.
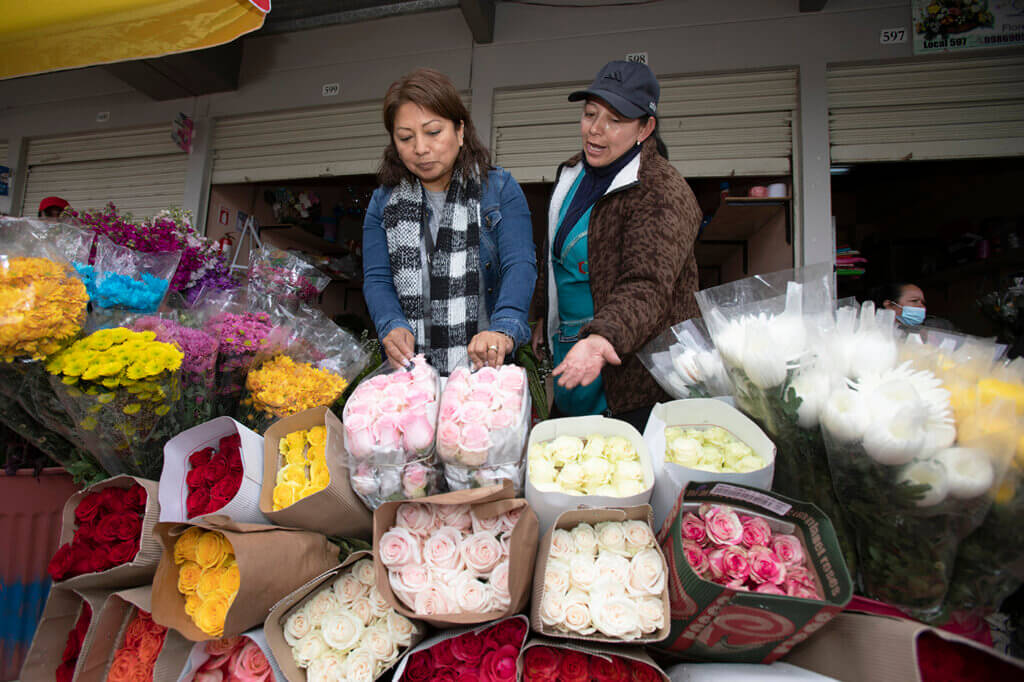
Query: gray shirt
{"points": [[435, 205]]}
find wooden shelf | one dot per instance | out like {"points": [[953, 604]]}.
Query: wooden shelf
{"points": [[734, 223], [294, 237]]}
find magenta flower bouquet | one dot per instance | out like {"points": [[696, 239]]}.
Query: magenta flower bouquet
{"points": [[241, 337]]}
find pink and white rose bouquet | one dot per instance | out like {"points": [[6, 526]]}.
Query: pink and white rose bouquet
{"points": [[483, 425], [744, 553], [606, 580], [346, 630], [446, 559], [390, 423]]}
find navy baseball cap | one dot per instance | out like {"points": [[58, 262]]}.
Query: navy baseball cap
{"points": [[629, 87]]}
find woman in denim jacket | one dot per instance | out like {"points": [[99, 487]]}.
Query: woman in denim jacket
{"points": [[448, 258]]}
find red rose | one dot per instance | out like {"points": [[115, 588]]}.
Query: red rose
{"points": [[129, 525], [467, 674], [215, 470], [82, 559], [113, 499], [123, 552], [196, 478], [509, 632], [420, 667], [500, 665], [641, 672], [88, 508], [442, 653], [60, 565], [575, 667], [135, 498], [65, 671], [229, 444], [235, 464], [72, 648], [86, 532], [468, 649], [199, 458], [541, 663], [107, 529], [197, 502], [445, 675], [223, 491], [603, 670]]}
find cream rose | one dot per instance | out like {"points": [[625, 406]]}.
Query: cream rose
{"points": [[610, 537], [616, 617], [578, 619], [322, 603], [441, 549], [607, 587], [596, 471], [562, 546], [651, 613], [481, 552], [571, 477], [582, 571], [487, 525], [646, 574], [565, 449], [297, 626], [639, 536], [556, 577], [628, 488], [363, 610], [615, 566], [360, 666], [585, 539], [629, 470], [472, 595], [327, 667], [552, 612], [378, 602], [618, 448], [401, 629], [348, 588], [595, 446], [542, 472], [377, 640], [399, 547], [309, 648], [364, 572], [342, 630]]}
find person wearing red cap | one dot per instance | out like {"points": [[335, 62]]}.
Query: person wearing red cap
{"points": [[52, 207]]}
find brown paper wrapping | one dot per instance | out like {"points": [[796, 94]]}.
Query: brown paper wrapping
{"points": [[569, 520], [632, 653], [140, 570], [59, 616], [336, 510], [117, 612], [486, 502], [273, 627], [272, 561]]}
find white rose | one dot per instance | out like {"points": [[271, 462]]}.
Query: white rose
{"points": [[616, 566], [571, 477], [348, 588], [556, 577], [542, 472], [364, 572], [377, 640], [308, 648], [629, 470], [616, 617], [409, 579], [595, 446], [618, 448], [684, 451], [360, 666], [322, 603], [607, 490], [400, 628], [582, 571], [651, 614], [596, 471], [562, 546], [585, 539], [608, 586], [639, 536], [577, 618], [380, 605], [327, 667], [472, 595], [362, 609], [481, 552], [611, 537], [711, 458], [565, 449], [342, 630], [628, 488], [552, 612], [297, 626], [646, 574], [499, 585]]}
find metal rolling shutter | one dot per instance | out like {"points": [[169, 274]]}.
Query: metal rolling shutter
{"points": [[141, 171], [338, 140], [927, 109], [4, 161], [713, 125]]}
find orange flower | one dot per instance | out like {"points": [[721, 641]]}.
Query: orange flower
{"points": [[149, 648], [126, 667]]}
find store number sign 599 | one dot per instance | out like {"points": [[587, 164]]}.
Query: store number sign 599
{"points": [[892, 36]]}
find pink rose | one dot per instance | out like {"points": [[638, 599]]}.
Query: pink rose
{"points": [[399, 547], [722, 526], [449, 410], [474, 413], [386, 431], [418, 397], [219, 647], [715, 562], [448, 440], [510, 518], [512, 403], [481, 552], [252, 663], [417, 431], [418, 519], [485, 375], [441, 550], [503, 419], [801, 574], [454, 515], [410, 579], [734, 563], [499, 583], [511, 379], [505, 540], [796, 589], [415, 479], [766, 567], [693, 528], [358, 439], [482, 393], [500, 665], [789, 549], [696, 557], [358, 404], [379, 382], [395, 391], [756, 531], [433, 601], [491, 524], [460, 375], [769, 588]]}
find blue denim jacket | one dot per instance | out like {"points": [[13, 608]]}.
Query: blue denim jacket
{"points": [[506, 254]]}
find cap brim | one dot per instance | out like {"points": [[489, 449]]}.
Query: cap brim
{"points": [[617, 102]]}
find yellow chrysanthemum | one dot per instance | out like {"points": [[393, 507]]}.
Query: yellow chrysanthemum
{"points": [[282, 387], [185, 545], [42, 307]]}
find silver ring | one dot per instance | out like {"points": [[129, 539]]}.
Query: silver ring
{"points": [[494, 348]]}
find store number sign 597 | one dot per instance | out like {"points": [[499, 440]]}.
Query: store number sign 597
{"points": [[892, 36]]}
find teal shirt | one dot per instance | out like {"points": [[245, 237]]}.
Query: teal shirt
{"points": [[575, 310]]}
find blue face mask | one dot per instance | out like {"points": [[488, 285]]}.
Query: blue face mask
{"points": [[912, 315]]}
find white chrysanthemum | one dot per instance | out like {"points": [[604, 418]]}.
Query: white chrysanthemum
{"points": [[844, 415], [897, 438], [969, 471], [684, 362], [930, 473], [813, 388], [895, 387]]}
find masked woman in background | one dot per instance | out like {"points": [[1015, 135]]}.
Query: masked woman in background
{"points": [[620, 266], [448, 255]]}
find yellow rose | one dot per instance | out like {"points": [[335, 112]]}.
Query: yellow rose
{"points": [[317, 436], [211, 549], [292, 473], [211, 614], [189, 575], [192, 603], [316, 453], [208, 583], [230, 580], [310, 489], [286, 494], [319, 474]]}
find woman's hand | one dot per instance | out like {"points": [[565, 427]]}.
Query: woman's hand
{"points": [[584, 361], [537, 339], [489, 348], [399, 345]]}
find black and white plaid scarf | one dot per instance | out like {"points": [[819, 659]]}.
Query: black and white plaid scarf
{"points": [[454, 267]]}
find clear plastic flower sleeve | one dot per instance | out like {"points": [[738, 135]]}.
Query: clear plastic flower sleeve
{"points": [[685, 363], [131, 280]]}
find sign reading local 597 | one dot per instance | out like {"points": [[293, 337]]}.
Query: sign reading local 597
{"points": [[946, 25]]}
